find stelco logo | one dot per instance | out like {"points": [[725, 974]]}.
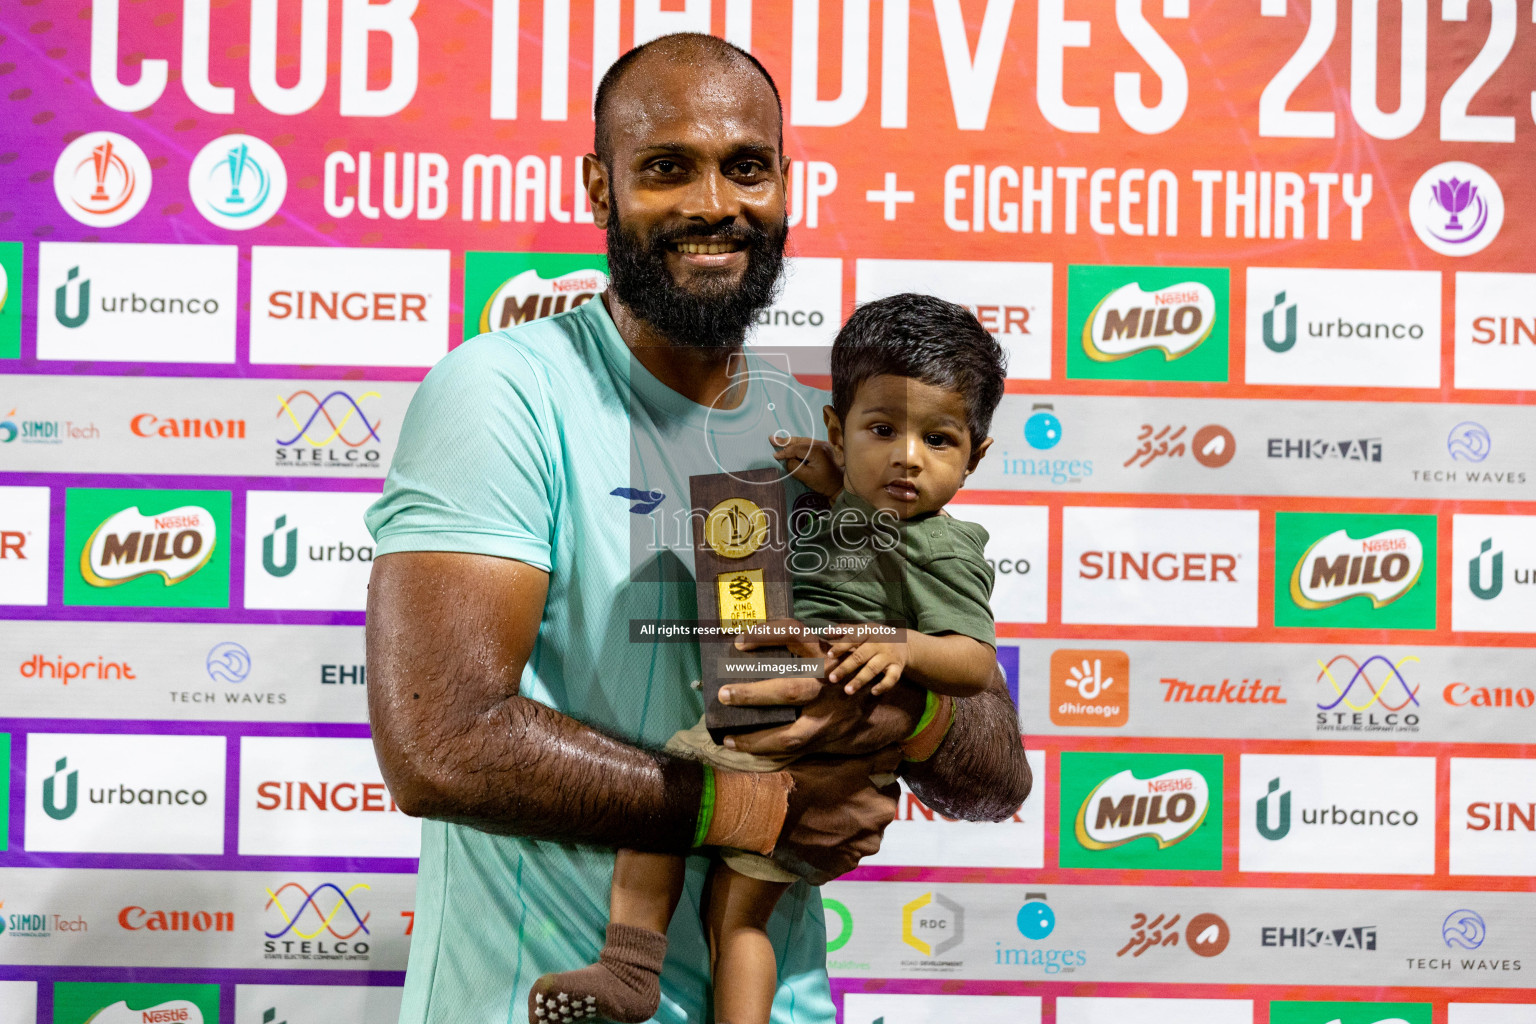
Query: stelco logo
{"points": [[1383, 567], [529, 297], [1128, 320], [136, 919], [129, 544], [1167, 807], [130, 303]]}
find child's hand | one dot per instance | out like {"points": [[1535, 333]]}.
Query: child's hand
{"points": [[866, 661], [810, 461]]}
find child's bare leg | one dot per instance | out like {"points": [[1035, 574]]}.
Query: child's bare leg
{"points": [[625, 983], [743, 964]]}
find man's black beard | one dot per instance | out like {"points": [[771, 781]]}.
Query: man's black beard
{"points": [[715, 317]]}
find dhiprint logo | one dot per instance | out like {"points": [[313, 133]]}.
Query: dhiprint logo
{"points": [[1090, 688], [1370, 571], [134, 1003], [237, 182], [1496, 331], [307, 549], [1313, 326], [330, 433], [1464, 929], [1469, 442], [1493, 816], [1141, 811], [102, 179], [504, 290], [1495, 559], [1456, 208], [933, 924], [323, 923], [1337, 814], [24, 545], [1373, 696], [228, 662], [1147, 323]]}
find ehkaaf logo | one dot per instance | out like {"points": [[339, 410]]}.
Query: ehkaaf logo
{"points": [[1280, 936], [503, 290], [1367, 571], [1147, 323], [146, 548], [134, 1003], [1141, 810]]}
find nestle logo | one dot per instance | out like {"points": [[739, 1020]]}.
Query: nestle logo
{"points": [[1175, 298], [1169, 785], [157, 1016], [577, 284], [1387, 544], [174, 522]]}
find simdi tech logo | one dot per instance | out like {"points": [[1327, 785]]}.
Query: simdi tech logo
{"points": [[1350, 1013], [505, 289], [1157, 811], [1365, 571], [146, 548], [1147, 323], [94, 1002]]}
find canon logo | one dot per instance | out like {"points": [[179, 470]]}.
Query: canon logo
{"points": [[138, 919], [1189, 566], [324, 796], [149, 425], [299, 305], [1461, 695]]}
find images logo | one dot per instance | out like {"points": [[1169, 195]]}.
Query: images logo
{"points": [[102, 179], [1456, 208], [509, 289], [134, 1003], [146, 548], [1042, 430], [1370, 571], [10, 299], [1141, 810], [237, 182], [228, 662], [1469, 442], [1464, 929], [1147, 323], [1090, 688], [1036, 920], [936, 931]]}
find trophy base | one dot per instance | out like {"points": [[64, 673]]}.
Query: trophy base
{"points": [[733, 666]]}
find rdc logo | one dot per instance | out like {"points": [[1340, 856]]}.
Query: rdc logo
{"points": [[238, 182]]}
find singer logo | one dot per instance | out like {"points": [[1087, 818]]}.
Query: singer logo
{"points": [[102, 179], [1147, 323], [148, 548], [1354, 570], [503, 290], [1141, 811]]}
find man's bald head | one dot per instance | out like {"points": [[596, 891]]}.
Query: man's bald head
{"points": [[704, 52]]}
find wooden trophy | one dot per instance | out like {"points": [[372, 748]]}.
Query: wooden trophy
{"points": [[740, 559]]}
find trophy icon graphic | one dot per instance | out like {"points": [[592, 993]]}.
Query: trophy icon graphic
{"points": [[101, 160], [1454, 196], [238, 158]]}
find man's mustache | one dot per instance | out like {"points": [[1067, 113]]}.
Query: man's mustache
{"points": [[748, 236]]}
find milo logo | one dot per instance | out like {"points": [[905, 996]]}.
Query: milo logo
{"points": [[174, 1011], [129, 544], [1167, 807], [1354, 570], [147, 548], [530, 296], [1383, 567], [1173, 320]]}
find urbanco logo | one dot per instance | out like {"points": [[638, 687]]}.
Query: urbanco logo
{"points": [[1456, 208], [237, 182], [1337, 814], [1012, 300], [90, 793], [102, 179], [1355, 570], [1090, 688], [1343, 327], [1370, 1012], [24, 545], [138, 302], [1494, 559], [1147, 323], [1496, 331], [314, 305], [808, 308], [1160, 566], [307, 549], [1493, 816], [1018, 551], [90, 1002], [146, 548], [504, 289], [324, 921], [1159, 811]]}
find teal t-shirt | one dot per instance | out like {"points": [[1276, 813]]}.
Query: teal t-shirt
{"points": [[547, 443]]}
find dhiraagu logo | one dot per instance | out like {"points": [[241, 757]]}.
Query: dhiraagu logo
{"points": [[93, 1002], [1147, 323], [1362, 571], [146, 548], [1350, 1013], [504, 289], [10, 299], [1160, 811]]}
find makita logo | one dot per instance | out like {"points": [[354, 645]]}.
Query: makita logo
{"points": [[1128, 320], [129, 544], [530, 297], [1168, 807], [138, 919], [1191, 566], [336, 305], [1383, 567], [1248, 691]]}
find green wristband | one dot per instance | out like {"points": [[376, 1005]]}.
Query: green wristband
{"points": [[706, 807], [930, 709]]}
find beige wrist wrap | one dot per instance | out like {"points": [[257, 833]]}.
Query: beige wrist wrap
{"points": [[750, 808]]}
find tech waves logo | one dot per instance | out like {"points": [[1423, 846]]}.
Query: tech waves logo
{"points": [[1354, 570], [1368, 696], [1464, 929], [333, 432], [102, 179], [1124, 807], [1469, 442], [1147, 323], [323, 923], [128, 544]]}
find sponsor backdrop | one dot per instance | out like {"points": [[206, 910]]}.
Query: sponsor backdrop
{"points": [[1262, 498]]}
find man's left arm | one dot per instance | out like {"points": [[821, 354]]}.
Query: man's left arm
{"points": [[978, 773]]}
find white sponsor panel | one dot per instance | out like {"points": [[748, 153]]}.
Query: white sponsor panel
{"points": [[1496, 331], [1333, 326], [1493, 561], [143, 303], [307, 550], [18, 1002], [346, 307], [1160, 567], [316, 1004], [95, 793], [1493, 816], [319, 797], [1018, 549], [878, 1007], [1012, 300], [1491, 1013], [809, 307], [23, 545], [921, 837], [1337, 814], [1105, 1010]]}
